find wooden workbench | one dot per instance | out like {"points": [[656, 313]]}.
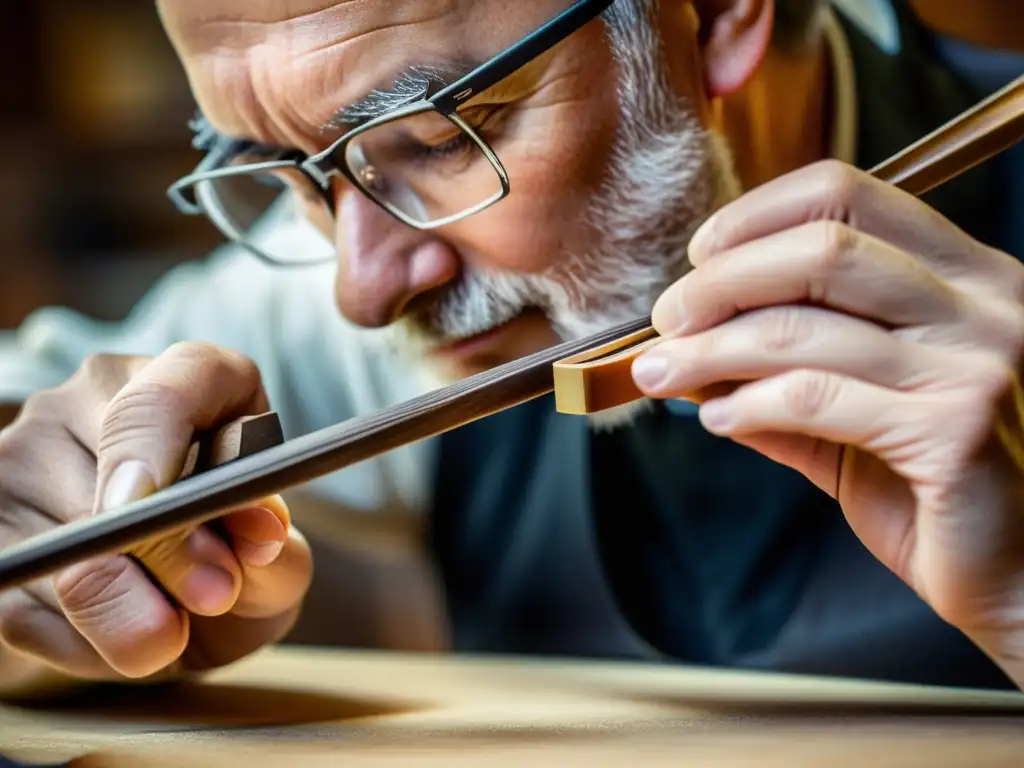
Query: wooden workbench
{"points": [[311, 707]]}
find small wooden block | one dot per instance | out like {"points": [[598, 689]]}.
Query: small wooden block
{"points": [[601, 378], [235, 440]]}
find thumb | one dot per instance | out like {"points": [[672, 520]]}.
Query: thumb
{"points": [[147, 428], [142, 446]]}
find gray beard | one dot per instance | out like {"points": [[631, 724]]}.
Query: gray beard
{"points": [[666, 175]]}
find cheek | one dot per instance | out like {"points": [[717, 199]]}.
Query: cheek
{"points": [[552, 180]]}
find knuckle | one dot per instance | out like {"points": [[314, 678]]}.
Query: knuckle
{"points": [[40, 423], [785, 328], [20, 621], [212, 361], [42, 405], [1011, 329], [98, 375], [91, 590], [191, 350], [839, 182], [14, 439], [836, 241], [807, 394], [134, 409], [94, 366], [994, 376], [1014, 282]]}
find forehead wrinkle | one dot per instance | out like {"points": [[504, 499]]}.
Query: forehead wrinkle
{"points": [[229, 32], [289, 82], [332, 63]]}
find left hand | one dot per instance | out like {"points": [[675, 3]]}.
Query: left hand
{"points": [[862, 339]]}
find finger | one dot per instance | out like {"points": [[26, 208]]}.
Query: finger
{"points": [[771, 341], [33, 624], [276, 589], [822, 263], [141, 445], [831, 190], [207, 570], [195, 567], [820, 404], [882, 515], [277, 571], [46, 479], [148, 427], [80, 403], [113, 604], [836, 410], [258, 534]]}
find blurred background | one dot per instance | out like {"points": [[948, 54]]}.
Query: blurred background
{"points": [[93, 129]]}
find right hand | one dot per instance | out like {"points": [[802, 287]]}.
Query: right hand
{"points": [[115, 432]]}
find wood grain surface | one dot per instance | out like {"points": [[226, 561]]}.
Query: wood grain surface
{"points": [[313, 707]]}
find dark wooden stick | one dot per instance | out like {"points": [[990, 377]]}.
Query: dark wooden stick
{"points": [[247, 479]]}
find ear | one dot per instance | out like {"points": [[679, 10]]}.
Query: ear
{"points": [[735, 38]]}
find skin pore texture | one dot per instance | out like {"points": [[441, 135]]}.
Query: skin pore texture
{"points": [[617, 144]]}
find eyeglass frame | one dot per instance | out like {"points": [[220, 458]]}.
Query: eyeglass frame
{"points": [[321, 167]]}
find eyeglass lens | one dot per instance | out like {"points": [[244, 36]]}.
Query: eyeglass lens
{"points": [[241, 203], [424, 167]]}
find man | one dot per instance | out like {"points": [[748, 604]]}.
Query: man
{"points": [[710, 538]]}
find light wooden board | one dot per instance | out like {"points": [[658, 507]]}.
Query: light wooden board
{"points": [[311, 707]]}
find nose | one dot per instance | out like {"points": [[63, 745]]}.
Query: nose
{"points": [[384, 264]]}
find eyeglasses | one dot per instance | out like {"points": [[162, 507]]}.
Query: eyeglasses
{"points": [[423, 162]]}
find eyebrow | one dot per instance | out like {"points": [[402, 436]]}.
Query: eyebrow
{"points": [[413, 83]]}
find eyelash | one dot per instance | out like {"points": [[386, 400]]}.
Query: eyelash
{"points": [[457, 144]]}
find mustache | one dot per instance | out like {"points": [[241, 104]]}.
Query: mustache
{"points": [[480, 301]]}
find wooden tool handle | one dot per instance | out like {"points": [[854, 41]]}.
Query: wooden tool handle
{"points": [[602, 378], [237, 439]]}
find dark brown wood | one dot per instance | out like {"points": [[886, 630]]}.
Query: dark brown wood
{"points": [[242, 437], [247, 479], [8, 413], [992, 126]]}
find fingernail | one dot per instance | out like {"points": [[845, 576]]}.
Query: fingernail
{"points": [[650, 370], [668, 316], [716, 415], [258, 554], [129, 482], [208, 589]]}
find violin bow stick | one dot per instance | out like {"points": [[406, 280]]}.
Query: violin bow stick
{"points": [[601, 378], [248, 459]]}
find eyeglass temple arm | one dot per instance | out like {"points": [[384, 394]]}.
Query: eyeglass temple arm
{"points": [[508, 61]]}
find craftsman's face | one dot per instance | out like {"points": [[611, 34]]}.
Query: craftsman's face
{"points": [[609, 165]]}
